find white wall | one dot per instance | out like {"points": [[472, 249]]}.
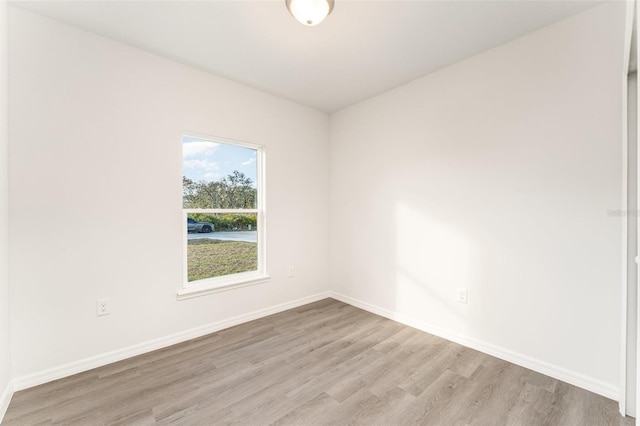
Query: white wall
{"points": [[5, 367], [496, 175], [95, 193], [632, 243]]}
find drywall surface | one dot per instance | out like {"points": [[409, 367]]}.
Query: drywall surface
{"points": [[632, 243], [500, 175], [5, 366], [96, 195]]}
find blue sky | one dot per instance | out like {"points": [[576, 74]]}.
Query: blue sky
{"points": [[210, 161]]}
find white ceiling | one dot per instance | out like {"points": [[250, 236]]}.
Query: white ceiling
{"points": [[362, 49]]}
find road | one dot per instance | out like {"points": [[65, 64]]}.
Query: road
{"points": [[248, 236]]}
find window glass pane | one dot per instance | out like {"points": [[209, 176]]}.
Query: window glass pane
{"points": [[218, 175], [221, 244]]}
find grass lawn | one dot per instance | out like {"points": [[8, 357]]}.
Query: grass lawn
{"points": [[213, 258]]}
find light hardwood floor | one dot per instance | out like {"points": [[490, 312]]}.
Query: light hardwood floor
{"points": [[323, 363]]}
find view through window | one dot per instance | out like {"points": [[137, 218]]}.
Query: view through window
{"points": [[221, 204]]}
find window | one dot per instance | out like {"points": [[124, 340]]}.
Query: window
{"points": [[223, 215]]}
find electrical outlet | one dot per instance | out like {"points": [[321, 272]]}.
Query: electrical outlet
{"points": [[462, 295], [292, 272], [103, 307]]}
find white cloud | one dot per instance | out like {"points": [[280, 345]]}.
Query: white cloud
{"points": [[198, 148], [249, 161], [199, 160], [205, 164], [201, 169], [212, 176]]}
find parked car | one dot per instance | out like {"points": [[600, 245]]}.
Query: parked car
{"points": [[195, 226]]}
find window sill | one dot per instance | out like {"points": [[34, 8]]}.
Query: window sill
{"points": [[217, 285]]}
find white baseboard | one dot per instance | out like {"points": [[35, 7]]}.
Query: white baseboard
{"points": [[5, 398], [69, 369], [152, 345], [577, 379]]}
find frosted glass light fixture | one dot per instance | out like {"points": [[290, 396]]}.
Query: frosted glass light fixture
{"points": [[310, 12]]}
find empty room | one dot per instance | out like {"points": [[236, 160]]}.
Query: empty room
{"points": [[311, 212]]}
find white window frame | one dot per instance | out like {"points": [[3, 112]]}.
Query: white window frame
{"points": [[227, 282]]}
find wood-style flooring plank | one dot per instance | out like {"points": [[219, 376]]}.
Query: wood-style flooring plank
{"points": [[325, 363]]}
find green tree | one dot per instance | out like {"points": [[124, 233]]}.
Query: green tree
{"points": [[239, 190], [234, 191]]}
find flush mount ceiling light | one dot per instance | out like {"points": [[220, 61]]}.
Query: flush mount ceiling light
{"points": [[310, 12]]}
